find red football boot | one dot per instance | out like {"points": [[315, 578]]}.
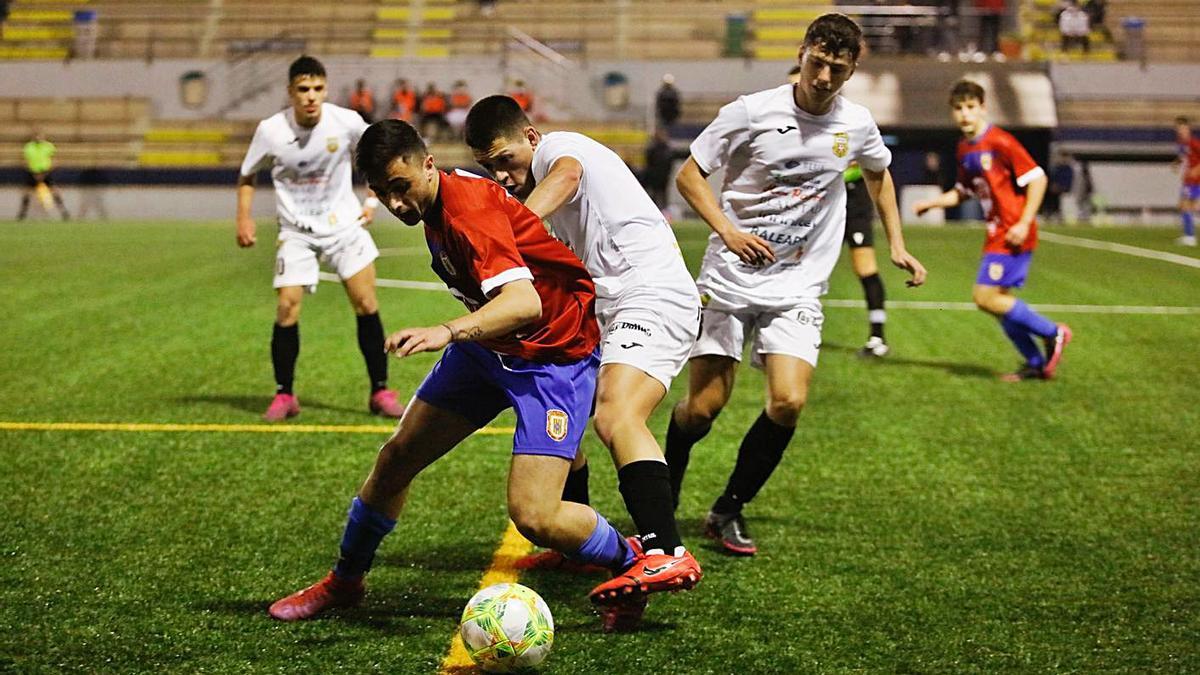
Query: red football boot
{"points": [[385, 404], [650, 574], [1054, 349], [328, 593], [282, 407]]}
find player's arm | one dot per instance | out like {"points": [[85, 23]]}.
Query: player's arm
{"points": [[557, 188], [245, 221], [369, 205], [947, 200], [692, 184], [513, 305], [883, 192], [1035, 190]]}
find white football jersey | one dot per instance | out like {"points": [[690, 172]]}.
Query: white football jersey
{"points": [[611, 223], [311, 168], [783, 182]]}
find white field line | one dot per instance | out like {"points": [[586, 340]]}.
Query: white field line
{"points": [[892, 304], [1120, 248]]}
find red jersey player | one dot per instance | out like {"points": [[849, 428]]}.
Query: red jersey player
{"points": [[993, 166], [529, 342], [1189, 193]]}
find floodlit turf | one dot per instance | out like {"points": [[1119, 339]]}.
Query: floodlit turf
{"points": [[926, 518]]}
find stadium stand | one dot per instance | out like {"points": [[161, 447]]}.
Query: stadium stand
{"points": [[87, 131]]}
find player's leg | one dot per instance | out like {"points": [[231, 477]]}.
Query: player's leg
{"points": [[574, 490], [285, 350], [425, 433], [354, 262], [30, 186], [711, 371], [867, 270], [56, 195], [998, 274], [1189, 201]]}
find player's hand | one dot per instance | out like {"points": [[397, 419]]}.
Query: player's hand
{"points": [[416, 340], [367, 217], [1017, 234], [920, 208], [750, 248], [245, 232], [905, 261]]}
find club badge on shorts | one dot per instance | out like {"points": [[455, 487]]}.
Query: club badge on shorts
{"points": [[995, 271], [556, 424], [841, 144]]}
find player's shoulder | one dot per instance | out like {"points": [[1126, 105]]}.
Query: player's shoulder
{"points": [[853, 113], [998, 136], [767, 100], [465, 193], [342, 116]]}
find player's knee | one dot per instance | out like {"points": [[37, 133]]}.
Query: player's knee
{"points": [[695, 414], [984, 299], [535, 524], [287, 312], [611, 423], [786, 409], [365, 306]]}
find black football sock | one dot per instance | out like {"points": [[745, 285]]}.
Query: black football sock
{"points": [[576, 488], [646, 487], [873, 289], [370, 343], [285, 348], [24, 207], [678, 452], [759, 454]]}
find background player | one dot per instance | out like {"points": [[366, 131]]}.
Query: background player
{"points": [[308, 148], [39, 160], [860, 239], [529, 342], [777, 232], [646, 300], [993, 166], [1189, 192]]}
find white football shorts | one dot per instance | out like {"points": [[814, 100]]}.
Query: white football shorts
{"points": [[795, 331], [299, 255], [655, 336]]}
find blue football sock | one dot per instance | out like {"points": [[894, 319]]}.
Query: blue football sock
{"points": [[1024, 342], [1189, 223], [365, 529], [605, 547], [1022, 315]]}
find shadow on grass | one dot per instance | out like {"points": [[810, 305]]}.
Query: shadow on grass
{"points": [[393, 612], [959, 369], [258, 404]]}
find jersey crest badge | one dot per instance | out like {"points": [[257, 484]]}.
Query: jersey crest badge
{"points": [[331, 143], [556, 424], [841, 144], [985, 161], [995, 271], [445, 260]]}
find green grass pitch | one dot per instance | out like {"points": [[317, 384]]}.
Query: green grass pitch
{"points": [[926, 518]]}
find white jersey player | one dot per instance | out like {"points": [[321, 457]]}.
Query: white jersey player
{"points": [[646, 300], [308, 149], [777, 232]]}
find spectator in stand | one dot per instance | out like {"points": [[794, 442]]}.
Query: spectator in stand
{"points": [[666, 102], [487, 7], [1074, 25], [460, 105], [433, 113], [522, 95], [3, 14], [404, 101], [1096, 11], [362, 101], [991, 13]]}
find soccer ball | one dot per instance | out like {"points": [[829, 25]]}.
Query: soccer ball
{"points": [[506, 627]]}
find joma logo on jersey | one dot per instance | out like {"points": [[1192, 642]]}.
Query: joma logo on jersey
{"points": [[331, 143], [841, 144], [556, 424]]}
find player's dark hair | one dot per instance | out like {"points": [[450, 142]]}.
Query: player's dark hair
{"points": [[795, 70], [494, 117], [836, 34], [383, 142], [305, 66], [966, 89], [1183, 120]]}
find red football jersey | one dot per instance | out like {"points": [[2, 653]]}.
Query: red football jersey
{"points": [[1190, 155], [482, 238], [995, 167]]}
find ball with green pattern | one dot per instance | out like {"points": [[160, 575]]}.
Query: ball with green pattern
{"points": [[507, 627]]}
